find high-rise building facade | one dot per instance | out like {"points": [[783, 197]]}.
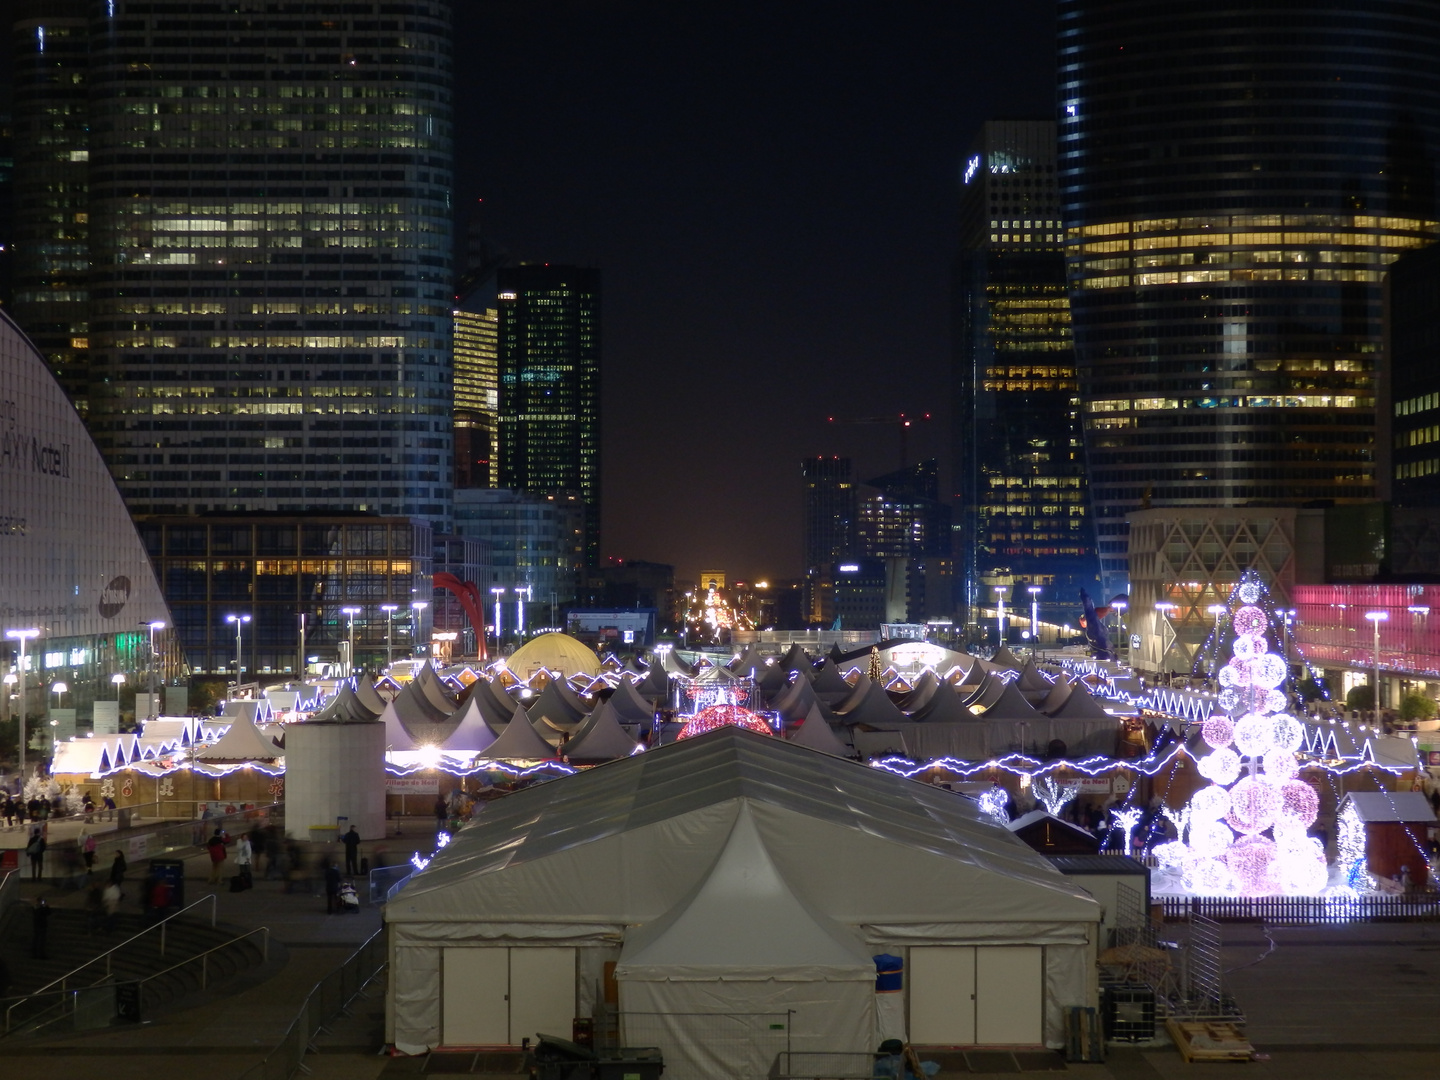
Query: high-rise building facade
{"points": [[50, 237], [1411, 407], [1023, 511], [901, 521], [1235, 178], [549, 361], [477, 396], [829, 529], [269, 213]]}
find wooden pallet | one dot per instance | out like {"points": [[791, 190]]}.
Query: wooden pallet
{"points": [[1199, 1040]]}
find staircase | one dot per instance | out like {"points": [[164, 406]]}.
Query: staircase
{"points": [[71, 941]]}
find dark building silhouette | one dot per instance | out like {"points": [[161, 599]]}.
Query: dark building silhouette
{"points": [[1413, 398], [829, 529], [1018, 457], [1235, 178], [549, 367], [901, 521], [48, 243]]}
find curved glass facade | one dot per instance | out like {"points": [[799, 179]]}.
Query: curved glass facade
{"points": [[270, 202], [1235, 179]]}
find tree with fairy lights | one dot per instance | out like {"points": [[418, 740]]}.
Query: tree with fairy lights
{"points": [[1246, 830]]}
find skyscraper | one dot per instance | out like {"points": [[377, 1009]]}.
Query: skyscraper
{"points": [[50, 42], [829, 529], [1019, 462], [1236, 177], [901, 521], [269, 241], [477, 392], [549, 363]]}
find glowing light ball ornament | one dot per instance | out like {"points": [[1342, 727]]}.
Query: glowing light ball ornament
{"points": [[1247, 828]]}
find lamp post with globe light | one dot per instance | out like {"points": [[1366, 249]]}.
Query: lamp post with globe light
{"points": [[1376, 618], [1000, 591], [499, 593], [350, 613], [1034, 591], [389, 610], [154, 709]]}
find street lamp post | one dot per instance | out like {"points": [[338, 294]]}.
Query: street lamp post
{"points": [[239, 621], [1376, 618], [1034, 591], [22, 636], [119, 680], [350, 613], [522, 593], [498, 592], [1000, 591], [389, 610], [59, 689], [154, 709], [1119, 607], [418, 608]]}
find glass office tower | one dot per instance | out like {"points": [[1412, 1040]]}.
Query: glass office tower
{"points": [[550, 385], [270, 217], [51, 258], [1236, 177], [1019, 463]]}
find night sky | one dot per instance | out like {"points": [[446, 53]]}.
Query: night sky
{"points": [[770, 191]]}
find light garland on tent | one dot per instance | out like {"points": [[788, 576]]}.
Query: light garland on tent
{"points": [[718, 716]]}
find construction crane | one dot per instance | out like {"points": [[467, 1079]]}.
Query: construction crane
{"points": [[904, 421]]}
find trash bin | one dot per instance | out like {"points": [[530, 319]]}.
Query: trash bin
{"points": [[127, 1002], [631, 1063], [560, 1059]]}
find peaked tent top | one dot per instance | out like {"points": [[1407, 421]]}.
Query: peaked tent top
{"points": [[818, 735], [368, 695], [1005, 660], [796, 700], [243, 742], [472, 734], [347, 708], [630, 707], [944, 707], [828, 679], [875, 709], [1010, 705], [601, 738], [519, 742], [1080, 704], [742, 917], [1031, 679], [796, 659], [397, 736]]}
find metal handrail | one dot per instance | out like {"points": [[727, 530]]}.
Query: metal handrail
{"points": [[9, 884], [106, 955], [204, 967]]}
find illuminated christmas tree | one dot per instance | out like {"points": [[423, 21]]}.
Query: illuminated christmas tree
{"points": [[1247, 828]]}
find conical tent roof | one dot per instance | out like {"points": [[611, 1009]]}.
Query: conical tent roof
{"points": [[555, 706], [519, 742], [396, 735], [243, 742], [1031, 679], [1080, 705], [987, 692], [601, 738], [1057, 696], [875, 709], [796, 700], [828, 681], [1010, 705], [857, 694], [427, 682], [630, 707], [923, 690], [773, 680], [656, 684], [346, 708], [472, 733], [749, 662], [944, 707], [368, 695], [796, 659], [818, 735], [674, 665], [712, 675], [743, 915], [1005, 660], [423, 719]]}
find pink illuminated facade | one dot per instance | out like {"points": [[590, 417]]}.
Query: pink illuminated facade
{"points": [[1333, 631]]}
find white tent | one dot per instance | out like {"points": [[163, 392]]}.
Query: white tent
{"points": [[243, 742], [743, 943], [818, 735], [519, 742], [550, 883]]}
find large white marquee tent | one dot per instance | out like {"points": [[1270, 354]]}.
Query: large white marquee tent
{"points": [[736, 873]]}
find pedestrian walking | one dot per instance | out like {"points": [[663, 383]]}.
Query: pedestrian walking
{"points": [[110, 899], [351, 840], [244, 853], [35, 850], [9, 811], [332, 888], [109, 803], [39, 928], [87, 850], [118, 867], [89, 808], [216, 847], [442, 812]]}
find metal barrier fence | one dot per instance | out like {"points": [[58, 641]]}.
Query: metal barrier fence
{"points": [[738, 1046], [1305, 910], [164, 839], [330, 997]]}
